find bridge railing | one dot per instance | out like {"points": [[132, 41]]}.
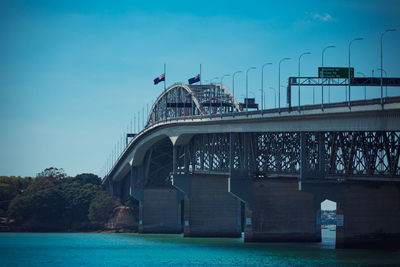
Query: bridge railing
{"points": [[354, 103]]}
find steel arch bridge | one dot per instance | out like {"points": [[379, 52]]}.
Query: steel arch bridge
{"points": [[182, 100]]}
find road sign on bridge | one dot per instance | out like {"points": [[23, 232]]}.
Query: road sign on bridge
{"points": [[335, 72]]}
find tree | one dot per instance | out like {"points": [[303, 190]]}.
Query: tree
{"points": [[77, 201], [52, 173], [88, 178], [40, 210], [101, 207], [53, 201], [10, 187], [40, 183]]}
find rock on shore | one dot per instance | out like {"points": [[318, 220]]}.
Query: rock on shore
{"points": [[123, 219]]}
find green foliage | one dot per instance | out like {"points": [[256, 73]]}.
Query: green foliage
{"points": [[132, 203], [101, 207], [77, 200], [53, 201], [40, 183], [88, 178], [52, 173], [46, 207], [10, 187]]}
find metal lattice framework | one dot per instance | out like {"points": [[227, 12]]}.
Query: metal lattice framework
{"points": [[182, 100], [328, 154], [157, 166]]}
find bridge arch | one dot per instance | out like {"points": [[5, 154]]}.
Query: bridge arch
{"points": [[181, 100]]}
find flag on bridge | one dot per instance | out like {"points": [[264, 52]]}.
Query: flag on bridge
{"points": [[160, 78], [194, 79]]}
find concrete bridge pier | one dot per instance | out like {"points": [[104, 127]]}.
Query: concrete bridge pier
{"points": [[209, 210], [160, 211], [368, 213], [159, 207], [370, 216], [276, 211]]}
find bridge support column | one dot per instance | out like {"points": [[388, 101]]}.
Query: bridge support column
{"points": [[276, 211], [210, 211], [369, 216], [160, 211]]}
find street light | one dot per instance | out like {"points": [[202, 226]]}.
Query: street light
{"points": [[329, 88], [381, 79], [273, 89], [247, 87], [349, 78], [279, 82], [365, 87], [389, 30], [313, 95], [233, 86], [306, 53], [222, 78], [262, 84]]}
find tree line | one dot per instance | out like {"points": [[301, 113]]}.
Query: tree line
{"points": [[53, 201]]}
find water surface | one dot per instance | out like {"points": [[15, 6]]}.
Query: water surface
{"points": [[83, 249]]}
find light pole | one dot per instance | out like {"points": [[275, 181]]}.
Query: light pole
{"points": [[262, 84], [322, 88], [273, 89], [279, 83], [382, 78], [247, 87], [365, 87], [389, 30], [313, 94], [233, 87], [349, 78], [306, 53], [220, 95]]}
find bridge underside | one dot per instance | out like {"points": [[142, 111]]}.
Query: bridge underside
{"points": [[282, 177]]}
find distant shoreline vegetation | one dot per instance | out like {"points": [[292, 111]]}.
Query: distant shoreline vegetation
{"points": [[52, 201]]}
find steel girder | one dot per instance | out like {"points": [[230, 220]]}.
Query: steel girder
{"points": [[326, 154]]}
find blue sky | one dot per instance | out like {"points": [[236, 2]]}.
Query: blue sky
{"points": [[73, 73]]}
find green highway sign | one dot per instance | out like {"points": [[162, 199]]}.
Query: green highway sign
{"points": [[335, 72]]}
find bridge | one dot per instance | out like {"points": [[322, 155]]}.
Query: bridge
{"points": [[205, 165]]}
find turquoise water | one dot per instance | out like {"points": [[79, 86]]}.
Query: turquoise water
{"points": [[72, 249]]}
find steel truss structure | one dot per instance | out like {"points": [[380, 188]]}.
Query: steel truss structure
{"points": [[306, 154], [182, 100]]}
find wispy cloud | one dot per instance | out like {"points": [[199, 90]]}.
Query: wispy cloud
{"points": [[322, 17]]}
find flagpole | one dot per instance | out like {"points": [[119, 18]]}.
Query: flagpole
{"points": [[200, 74], [164, 77]]}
